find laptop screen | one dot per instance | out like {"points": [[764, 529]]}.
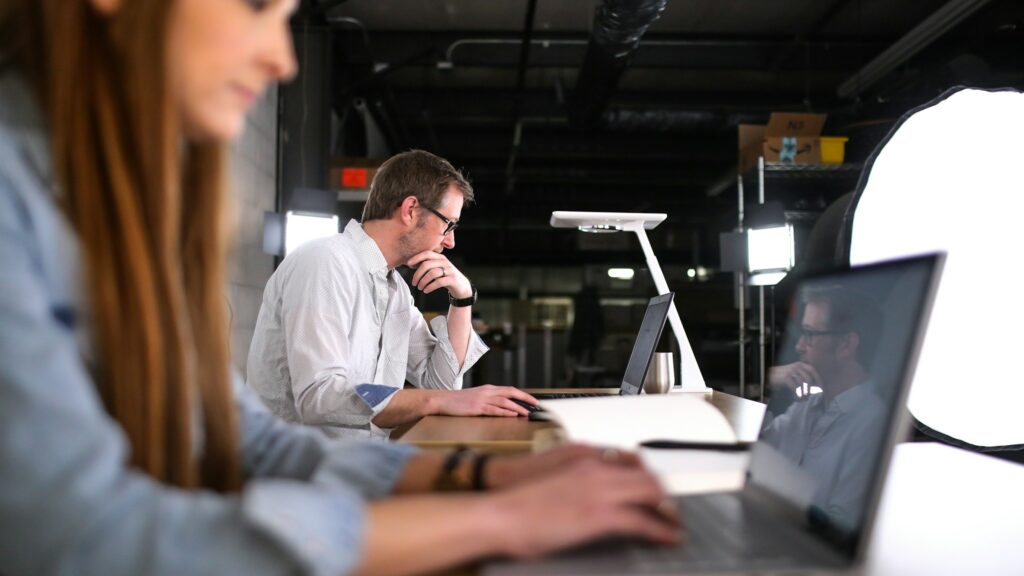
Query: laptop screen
{"points": [[646, 341], [837, 392]]}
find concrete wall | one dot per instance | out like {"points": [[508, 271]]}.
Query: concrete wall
{"points": [[253, 179]]}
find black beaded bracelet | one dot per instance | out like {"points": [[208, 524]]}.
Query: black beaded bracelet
{"points": [[446, 481], [478, 471]]}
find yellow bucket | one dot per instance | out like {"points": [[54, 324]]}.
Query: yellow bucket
{"points": [[833, 149]]}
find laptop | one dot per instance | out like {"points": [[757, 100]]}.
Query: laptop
{"points": [[817, 470], [639, 359]]}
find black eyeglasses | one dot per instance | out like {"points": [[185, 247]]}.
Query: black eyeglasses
{"points": [[450, 225], [808, 333]]}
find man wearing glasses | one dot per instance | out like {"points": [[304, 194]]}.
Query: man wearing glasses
{"points": [[338, 335], [834, 427]]}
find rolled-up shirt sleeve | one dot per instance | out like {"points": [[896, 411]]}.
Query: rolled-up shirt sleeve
{"points": [[274, 448], [432, 363]]}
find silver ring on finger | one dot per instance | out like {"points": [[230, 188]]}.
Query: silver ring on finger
{"points": [[443, 273]]}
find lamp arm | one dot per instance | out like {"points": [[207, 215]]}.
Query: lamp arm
{"points": [[690, 378]]}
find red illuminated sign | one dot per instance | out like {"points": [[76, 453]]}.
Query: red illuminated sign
{"points": [[355, 178]]}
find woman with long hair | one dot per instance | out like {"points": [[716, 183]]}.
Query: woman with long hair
{"points": [[126, 446]]}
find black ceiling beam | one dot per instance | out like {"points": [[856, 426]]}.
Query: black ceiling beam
{"points": [[517, 109], [812, 30], [484, 108], [559, 147], [563, 51]]}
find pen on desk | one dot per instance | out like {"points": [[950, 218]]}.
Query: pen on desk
{"points": [[681, 445]]}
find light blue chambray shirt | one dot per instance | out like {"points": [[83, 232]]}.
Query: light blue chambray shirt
{"points": [[836, 443], [69, 503]]}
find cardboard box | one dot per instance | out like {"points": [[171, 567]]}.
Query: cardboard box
{"points": [[788, 137]]}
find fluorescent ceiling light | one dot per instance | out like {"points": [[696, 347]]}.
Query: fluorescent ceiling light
{"points": [[949, 179], [300, 228], [770, 249], [699, 273], [621, 273]]}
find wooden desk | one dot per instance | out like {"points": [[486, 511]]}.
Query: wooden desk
{"points": [[517, 434], [944, 511]]}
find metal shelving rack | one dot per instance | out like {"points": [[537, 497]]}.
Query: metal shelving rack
{"points": [[777, 172]]}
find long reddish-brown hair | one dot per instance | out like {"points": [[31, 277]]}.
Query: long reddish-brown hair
{"points": [[149, 210]]}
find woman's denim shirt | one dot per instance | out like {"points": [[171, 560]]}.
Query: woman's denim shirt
{"points": [[69, 502]]}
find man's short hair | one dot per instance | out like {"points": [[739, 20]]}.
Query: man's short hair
{"points": [[851, 310], [414, 173]]}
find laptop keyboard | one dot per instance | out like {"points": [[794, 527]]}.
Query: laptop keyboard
{"points": [[723, 535], [557, 396]]}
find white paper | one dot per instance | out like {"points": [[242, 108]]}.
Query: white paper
{"points": [[626, 421], [685, 472]]}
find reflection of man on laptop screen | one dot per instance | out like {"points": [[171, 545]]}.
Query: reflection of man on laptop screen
{"points": [[838, 416]]}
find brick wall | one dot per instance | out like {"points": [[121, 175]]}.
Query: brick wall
{"points": [[253, 179]]}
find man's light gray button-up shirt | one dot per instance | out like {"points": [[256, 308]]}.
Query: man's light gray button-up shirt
{"points": [[338, 334]]}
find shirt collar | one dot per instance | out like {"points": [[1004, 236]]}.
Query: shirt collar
{"points": [[370, 257], [851, 399]]}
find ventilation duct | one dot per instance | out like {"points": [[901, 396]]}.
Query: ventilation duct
{"points": [[618, 27]]}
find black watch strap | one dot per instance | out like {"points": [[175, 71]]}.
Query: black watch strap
{"points": [[462, 302]]}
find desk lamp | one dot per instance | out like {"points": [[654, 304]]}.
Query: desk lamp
{"points": [[691, 380], [948, 178]]}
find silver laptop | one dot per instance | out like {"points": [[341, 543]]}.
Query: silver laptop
{"points": [[817, 469], [640, 358]]}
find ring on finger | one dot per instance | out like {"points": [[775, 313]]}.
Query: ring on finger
{"points": [[443, 273], [667, 509]]}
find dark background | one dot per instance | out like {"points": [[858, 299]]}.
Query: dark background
{"points": [[553, 127]]}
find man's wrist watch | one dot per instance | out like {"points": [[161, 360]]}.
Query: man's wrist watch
{"points": [[462, 302]]}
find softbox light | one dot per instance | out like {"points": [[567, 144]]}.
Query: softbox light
{"points": [[950, 177]]}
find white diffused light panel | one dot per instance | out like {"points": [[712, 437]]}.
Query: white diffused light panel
{"points": [[951, 178], [770, 248], [301, 228]]}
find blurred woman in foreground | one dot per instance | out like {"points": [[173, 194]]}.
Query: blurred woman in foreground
{"points": [[126, 446]]}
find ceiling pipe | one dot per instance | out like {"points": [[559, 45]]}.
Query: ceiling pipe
{"points": [[932, 28], [517, 110], [618, 27]]}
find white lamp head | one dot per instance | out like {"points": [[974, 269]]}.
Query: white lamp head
{"points": [[605, 221], [948, 179]]}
